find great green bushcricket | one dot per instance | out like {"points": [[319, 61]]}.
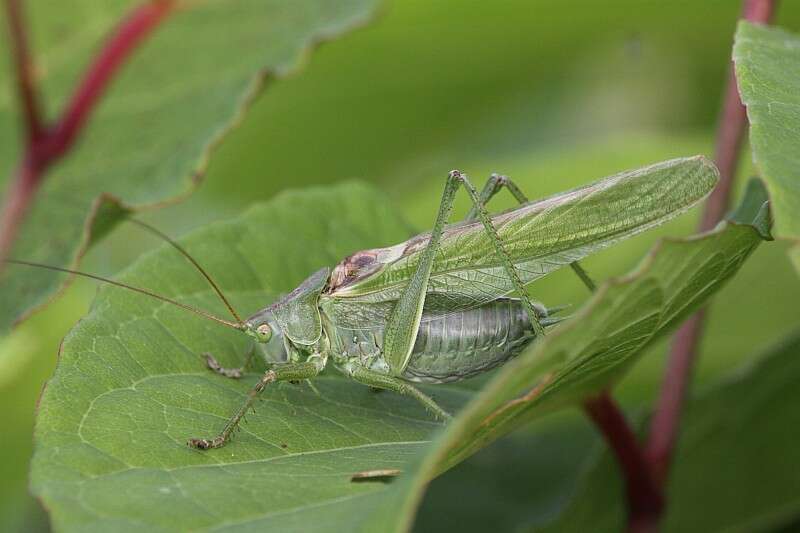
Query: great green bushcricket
{"points": [[438, 307]]}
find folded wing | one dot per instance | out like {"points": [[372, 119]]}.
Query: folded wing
{"points": [[540, 236]]}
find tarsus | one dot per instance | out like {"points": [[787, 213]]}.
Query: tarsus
{"points": [[178, 247], [239, 326]]}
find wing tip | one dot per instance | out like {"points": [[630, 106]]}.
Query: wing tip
{"points": [[707, 170], [698, 169]]}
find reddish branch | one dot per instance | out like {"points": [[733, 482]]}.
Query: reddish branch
{"points": [[133, 29], [664, 427], [645, 471], [644, 498], [46, 144], [24, 70]]}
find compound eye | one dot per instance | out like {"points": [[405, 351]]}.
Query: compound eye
{"points": [[264, 332]]}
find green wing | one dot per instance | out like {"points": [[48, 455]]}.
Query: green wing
{"points": [[540, 236]]}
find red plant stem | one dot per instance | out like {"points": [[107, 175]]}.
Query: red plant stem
{"points": [[46, 145], [643, 494], [24, 70], [664, 427], [133, 29]]}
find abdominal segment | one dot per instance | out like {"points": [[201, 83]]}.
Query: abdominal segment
{"points": [[465, 343]]}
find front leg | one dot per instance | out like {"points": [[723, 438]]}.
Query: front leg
{"points": [[233, 373], [382, 381]]}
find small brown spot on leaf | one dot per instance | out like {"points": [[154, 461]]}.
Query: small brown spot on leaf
{"points": [[384, 475]]}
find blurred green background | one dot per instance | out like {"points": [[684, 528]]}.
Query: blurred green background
{"points": [[554, 94]]}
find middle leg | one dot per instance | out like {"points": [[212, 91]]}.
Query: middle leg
{"points": [[281, 372]]}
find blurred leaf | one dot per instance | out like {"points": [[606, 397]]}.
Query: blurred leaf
{"points": [[735, 465], [131, 386], [561, 76], [149, 140], [768, 72], [27, 361], [754, 209], [794, 254], [522, 481]]}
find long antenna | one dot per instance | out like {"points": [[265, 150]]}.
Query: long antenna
{"points": [[196, 311], [178, 247]]}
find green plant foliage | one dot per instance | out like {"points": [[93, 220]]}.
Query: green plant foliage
{"points": [[733, 470], [131, 386], [768, 72], [148, 141]]}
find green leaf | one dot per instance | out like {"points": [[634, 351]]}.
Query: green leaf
{"points": [[754, 209], [768, 73], [150, 138], [131, 386], [733, 469]]}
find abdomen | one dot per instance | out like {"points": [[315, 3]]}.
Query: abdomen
{"points": [[466, 343]]}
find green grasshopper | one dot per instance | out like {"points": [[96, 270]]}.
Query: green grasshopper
{"points": [[438, 307]]}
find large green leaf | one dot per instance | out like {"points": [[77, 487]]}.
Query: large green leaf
{"points": [[131, 386], [768, 73], [735, 467], [149, 140]]}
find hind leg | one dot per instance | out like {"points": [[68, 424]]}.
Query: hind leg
{"points": [[493, 185]]}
